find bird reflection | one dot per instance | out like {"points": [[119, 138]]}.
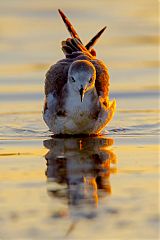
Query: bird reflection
{"points": [[78, 170]]}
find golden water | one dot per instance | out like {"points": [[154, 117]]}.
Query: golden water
{"points": [[96, 188]]}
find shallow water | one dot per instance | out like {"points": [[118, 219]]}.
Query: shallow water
{"points": [[82, 188]]}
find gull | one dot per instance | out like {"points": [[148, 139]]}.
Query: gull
{"points": [[77, 89]]}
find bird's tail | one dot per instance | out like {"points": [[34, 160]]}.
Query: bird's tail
{"points": [[74, 34]]}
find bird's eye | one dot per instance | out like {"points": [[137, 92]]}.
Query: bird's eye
{"points": [[73, 80], [90, 80]]}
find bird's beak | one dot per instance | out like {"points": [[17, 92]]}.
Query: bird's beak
{"points": [[81, 91]]}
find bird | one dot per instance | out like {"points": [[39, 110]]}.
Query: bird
{"points": [[77, 89]]}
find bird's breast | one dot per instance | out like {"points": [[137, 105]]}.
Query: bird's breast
{"points": [[79, 110]]}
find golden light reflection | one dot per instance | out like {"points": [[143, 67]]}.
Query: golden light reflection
{"points": [[78, 170]]}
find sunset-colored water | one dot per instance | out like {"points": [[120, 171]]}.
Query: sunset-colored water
{"points": [[79, 188]]}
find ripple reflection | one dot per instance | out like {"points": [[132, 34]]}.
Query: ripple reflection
{"points": [[81, 169]]}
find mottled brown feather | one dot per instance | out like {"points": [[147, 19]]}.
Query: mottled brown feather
{"points": [[102, 79], [56, 77]]}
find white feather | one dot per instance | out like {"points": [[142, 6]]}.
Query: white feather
{"points": [[79, 116]]}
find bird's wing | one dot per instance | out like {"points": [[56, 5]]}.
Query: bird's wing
{"points": [[69, 26], [74, 34], [102, 80], [56, 77]]}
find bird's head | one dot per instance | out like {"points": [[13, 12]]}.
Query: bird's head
{"points": [[81, 77]]}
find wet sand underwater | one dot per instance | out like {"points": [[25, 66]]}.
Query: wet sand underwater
{"points": [[103, 187]]}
